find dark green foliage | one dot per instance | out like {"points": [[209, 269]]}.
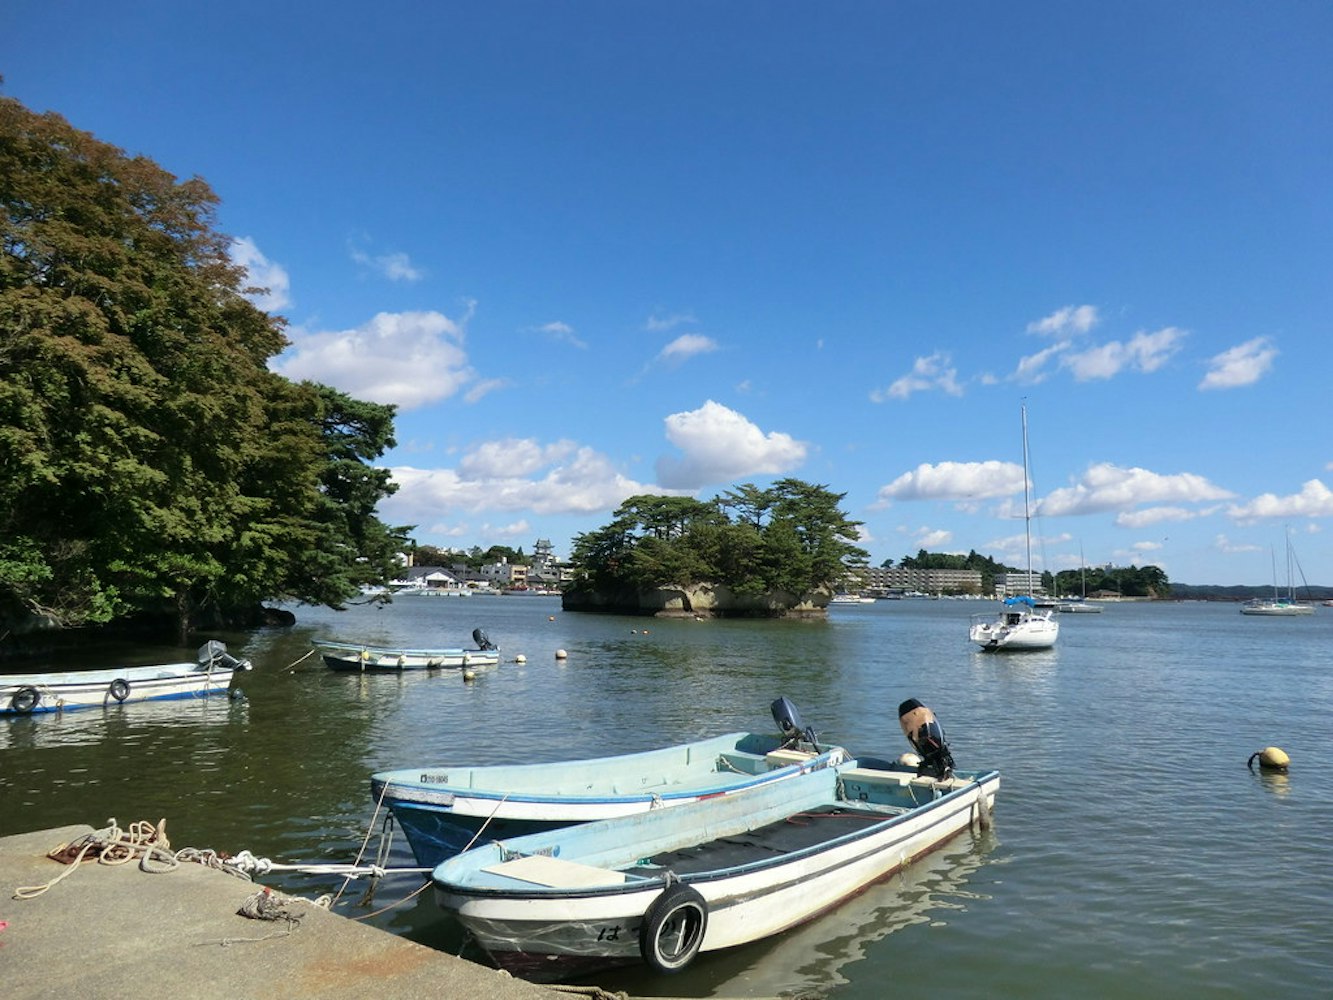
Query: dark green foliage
{"points": [[150, 463], [789, 538]]}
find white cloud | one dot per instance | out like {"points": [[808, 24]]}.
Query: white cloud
{"points": [[1070, 319], [932, 538], [1157, 515], [686, 346], [485, 387], [562, 332], [515, 529], [513, 475], [961, 481], [1314, 500], [260, 272], [933, 372], [659, 324], [1032, 369], [720, 445], [1241, 365], [512, 458], [394, 266], [1145, 352], [409, 359], [1106, 487], [1223, 544]]}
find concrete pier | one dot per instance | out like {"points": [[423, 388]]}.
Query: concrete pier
{"points": [[106, 932]]}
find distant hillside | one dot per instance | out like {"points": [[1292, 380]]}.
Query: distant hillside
{"points": [[1211, 592]]}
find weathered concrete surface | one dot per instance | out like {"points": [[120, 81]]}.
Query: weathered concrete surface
{"points": [[107, 932]]}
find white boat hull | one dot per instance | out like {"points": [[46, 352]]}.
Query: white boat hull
{"points": [[1030, 631], [554, 929], [26, 694]]}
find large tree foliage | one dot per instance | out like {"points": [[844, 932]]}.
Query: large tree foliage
{"points": [[149, 460], [791, 537]]}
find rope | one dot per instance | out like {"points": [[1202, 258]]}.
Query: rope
{"points": [[114, 846], [293, 664], [384, 790]]}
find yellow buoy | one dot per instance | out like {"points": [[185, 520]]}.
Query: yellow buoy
{"points": [[1270, 759], [469, 675]]}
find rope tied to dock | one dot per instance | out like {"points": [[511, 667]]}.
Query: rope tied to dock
{"points": [[113, 846]]}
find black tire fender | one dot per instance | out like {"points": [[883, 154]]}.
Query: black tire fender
{"points": [[673, 929], [119, 689], [25, 700]]}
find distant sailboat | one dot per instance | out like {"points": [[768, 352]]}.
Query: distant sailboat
{"points": [[1069, 605], [1279, 606], [1020, 624]]}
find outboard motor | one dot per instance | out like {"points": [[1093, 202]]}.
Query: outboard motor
{"points": [[214, 652], [794, 729], [927, 737], [481, 639]]}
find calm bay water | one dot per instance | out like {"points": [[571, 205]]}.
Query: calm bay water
{"points": [[1133, 853]]}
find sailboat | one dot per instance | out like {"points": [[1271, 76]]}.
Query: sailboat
{"points": [[1020, 623], [1279, 606], [1079, 605]]}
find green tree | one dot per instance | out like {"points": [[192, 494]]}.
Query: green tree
{"points": [[150, 463], [791, 538]]}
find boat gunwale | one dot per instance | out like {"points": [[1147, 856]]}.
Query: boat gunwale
{"points": [[706, 784], [984, 781]]}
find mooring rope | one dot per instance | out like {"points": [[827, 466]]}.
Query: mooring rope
{"points": [[114, 846], [293, 665]]}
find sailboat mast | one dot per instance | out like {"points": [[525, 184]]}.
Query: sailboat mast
{"points": [[1027, 506]]}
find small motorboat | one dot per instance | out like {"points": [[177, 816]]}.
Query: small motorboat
{"points": [[362, 657], [444, 809], [25, 694], [664, 885]]}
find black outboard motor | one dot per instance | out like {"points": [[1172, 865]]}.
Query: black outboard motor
{"points": [[481, 639], [794, 729], [927, 736]]}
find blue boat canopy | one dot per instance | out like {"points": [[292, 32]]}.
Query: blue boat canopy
{"points": [[1021, 599]]}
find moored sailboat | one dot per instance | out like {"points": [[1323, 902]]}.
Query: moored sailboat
{"points": [[1021, 624]]}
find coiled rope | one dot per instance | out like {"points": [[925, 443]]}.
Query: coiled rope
{"points": [[113, 846]]}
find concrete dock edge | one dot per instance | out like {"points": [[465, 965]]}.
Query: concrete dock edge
{"points": [[107, 932]]}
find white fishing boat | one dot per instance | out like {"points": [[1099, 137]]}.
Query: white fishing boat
{"points": [[1020, 625], [852, 599], [665, 885], [443, 809], [363, 657], [26, 694]]}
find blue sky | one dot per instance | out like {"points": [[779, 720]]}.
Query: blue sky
{"points": [[595, 249]]}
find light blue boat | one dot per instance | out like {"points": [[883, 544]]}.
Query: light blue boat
{"points": [[444, 809], [662, 886]]}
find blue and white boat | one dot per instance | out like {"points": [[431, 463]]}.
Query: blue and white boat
{"points": [[444, 809], [360, 657], [26, 694], [662, 886]]}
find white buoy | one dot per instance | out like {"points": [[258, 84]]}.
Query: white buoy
{"points": [[560, 654], [520, 658], [1270, 759], [469, 675]]}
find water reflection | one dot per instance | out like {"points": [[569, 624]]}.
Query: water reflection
{"points": [[139, 721]]}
